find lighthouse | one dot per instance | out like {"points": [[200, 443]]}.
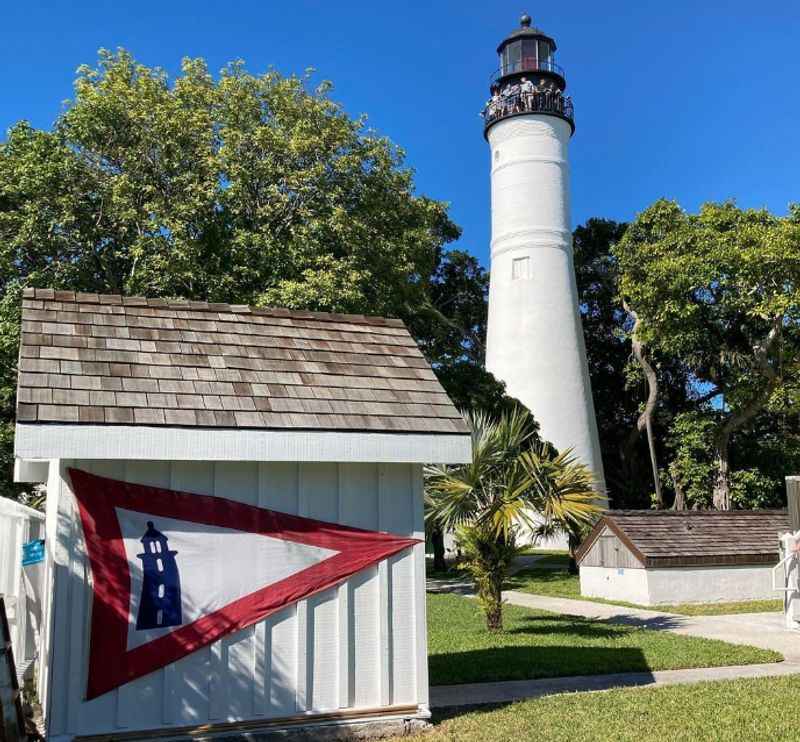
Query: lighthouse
{"points": [[534, 339], [160, 605]]}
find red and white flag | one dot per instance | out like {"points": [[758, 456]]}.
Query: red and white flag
{"points": [[174, 571]]}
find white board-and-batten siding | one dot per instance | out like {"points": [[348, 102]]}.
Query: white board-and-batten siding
{"points": [[609, 551], [361, 644]]}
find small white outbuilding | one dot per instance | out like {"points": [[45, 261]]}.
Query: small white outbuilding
{"points": [[192, 430], [652, 557]]}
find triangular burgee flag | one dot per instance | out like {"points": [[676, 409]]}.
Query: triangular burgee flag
{"points": [[174, 571]]}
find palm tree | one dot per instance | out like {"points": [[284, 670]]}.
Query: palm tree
{"points": [[513, 480]]}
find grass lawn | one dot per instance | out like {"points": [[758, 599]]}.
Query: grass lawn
{"points": [[551, 559], [562, 585], [757, 710], [536, 644]]}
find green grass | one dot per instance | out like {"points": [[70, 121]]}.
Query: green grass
{"points": [[722, 609], [556, 584], [537, 644], [556, 559], [761, 710], [550, 582]]}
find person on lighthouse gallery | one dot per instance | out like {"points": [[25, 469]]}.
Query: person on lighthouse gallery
{"points": [[527, 90]]}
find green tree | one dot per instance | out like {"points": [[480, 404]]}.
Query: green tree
{"points": [[719, 292], [450, 326], [620, 387], [513, 480], [242, 188]]}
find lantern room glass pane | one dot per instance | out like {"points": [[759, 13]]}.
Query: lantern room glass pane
{"points": [[512, 56], [529, 54], [545, 54]]}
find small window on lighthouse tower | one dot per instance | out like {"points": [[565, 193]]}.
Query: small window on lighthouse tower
{"points": [[520, 268]]}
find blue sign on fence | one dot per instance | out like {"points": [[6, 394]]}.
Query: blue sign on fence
{"points": [[33, 552]]}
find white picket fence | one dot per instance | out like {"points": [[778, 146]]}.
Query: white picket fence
{"points": [[21, 586]]}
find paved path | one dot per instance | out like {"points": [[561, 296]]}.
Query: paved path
{"points": [[465, 586], [765, 630], [475, 694]]}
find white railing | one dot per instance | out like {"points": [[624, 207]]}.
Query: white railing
{"points": [[21, 586], [788, 583]]}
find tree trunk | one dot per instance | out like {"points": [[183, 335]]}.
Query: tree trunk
{"points": [[573, 544], [494, 604], [437, 541], [721, 497], [651, 444], [680, 496], [722, 484], [645, 421]]}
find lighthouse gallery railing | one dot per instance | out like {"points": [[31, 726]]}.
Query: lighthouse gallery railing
{"points": [[526, 64], [541, 102]]}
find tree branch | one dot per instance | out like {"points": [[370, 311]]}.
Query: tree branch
{"points": [[444, 319], [757, 402], [645, 420], [708, 396]]}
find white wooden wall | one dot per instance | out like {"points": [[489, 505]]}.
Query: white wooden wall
{"points": [[359, 645], [21, 587]]}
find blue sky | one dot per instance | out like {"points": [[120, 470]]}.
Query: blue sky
{"points": [[690, 100]]}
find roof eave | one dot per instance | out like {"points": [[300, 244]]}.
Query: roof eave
{"points": [[712, 560], [165, 443]]}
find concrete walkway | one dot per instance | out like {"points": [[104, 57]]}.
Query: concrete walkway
{"points": [[465, 586], [476, 694], [764, 630]]}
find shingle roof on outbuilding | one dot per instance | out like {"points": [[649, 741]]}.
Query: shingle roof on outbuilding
{"points": [[664, 538], [107, 359]]}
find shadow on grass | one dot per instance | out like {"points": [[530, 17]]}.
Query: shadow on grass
{"points": [[557, 624], [544, 577], [521, 662], [659, 623], [596, 627]]}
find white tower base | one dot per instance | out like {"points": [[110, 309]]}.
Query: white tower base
{"points": [[535, 341]]}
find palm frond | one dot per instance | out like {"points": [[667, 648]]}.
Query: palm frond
{"points": [[508, 483]]}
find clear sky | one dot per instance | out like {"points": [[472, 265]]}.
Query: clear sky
{"points": [[690, 100]]}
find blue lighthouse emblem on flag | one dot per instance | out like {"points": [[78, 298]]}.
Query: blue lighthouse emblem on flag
{"points": [[160, 605]]}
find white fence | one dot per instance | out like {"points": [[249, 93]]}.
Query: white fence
{"points": [[21, 586], [786, 573]]}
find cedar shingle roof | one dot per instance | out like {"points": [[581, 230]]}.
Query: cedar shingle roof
{"points": [[106, 359], [662, 538]]}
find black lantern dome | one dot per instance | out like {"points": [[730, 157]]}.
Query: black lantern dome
{"points": [[523, 42], [527, 57]]}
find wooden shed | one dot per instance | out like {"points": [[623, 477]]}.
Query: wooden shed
{"points": [[238, 418], [655, 556]]}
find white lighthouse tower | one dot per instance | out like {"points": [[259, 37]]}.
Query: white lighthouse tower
{"points": [[535, 342]]}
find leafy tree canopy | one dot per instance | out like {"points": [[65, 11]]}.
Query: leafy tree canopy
{"points": [[243, 188], [247, 188], [720, 292]]}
